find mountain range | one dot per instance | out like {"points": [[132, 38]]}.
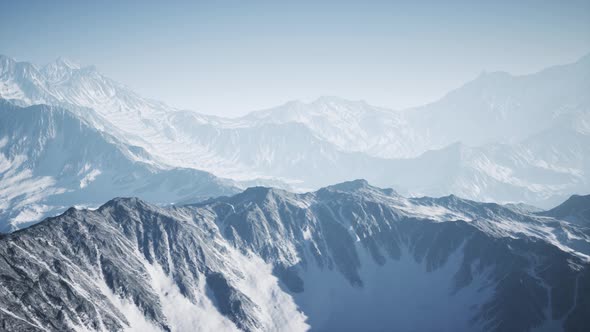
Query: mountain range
{"points": [[504, 245], [499, 138], [346, 257]]}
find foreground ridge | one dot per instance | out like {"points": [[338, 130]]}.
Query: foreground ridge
{"points": [[343, 257]]}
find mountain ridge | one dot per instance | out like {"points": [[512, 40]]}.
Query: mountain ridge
{"points": [[51, 159], [253, 262]]}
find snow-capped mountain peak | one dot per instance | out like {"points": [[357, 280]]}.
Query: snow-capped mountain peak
{"points": [[63, 63], [60, 70]]}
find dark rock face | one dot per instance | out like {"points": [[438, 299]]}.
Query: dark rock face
{"points": [[231, 302], [346, 257]]}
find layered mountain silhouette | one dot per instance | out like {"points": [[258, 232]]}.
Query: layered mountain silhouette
{"points": [[195, 251], [500, 137]]}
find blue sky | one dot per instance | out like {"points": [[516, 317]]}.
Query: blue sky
{"points": [[228, 57]]}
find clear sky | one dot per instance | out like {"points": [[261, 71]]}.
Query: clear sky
{"points": [[228, 57]]}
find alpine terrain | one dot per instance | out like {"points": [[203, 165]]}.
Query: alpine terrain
{"points": [[51, 159], [200, 171], [347, 257], [498, 138]]}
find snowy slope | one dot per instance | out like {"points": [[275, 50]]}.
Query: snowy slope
{"points": [[140, 121], [346, 257], [521, 138], [50, 160]]}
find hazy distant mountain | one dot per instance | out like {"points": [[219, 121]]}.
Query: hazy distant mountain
{"points": [[141, 121], [347, 257], [542, 170], [50, 160], [352, 126], [502, 108], [521, 138], [62, 82]]}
